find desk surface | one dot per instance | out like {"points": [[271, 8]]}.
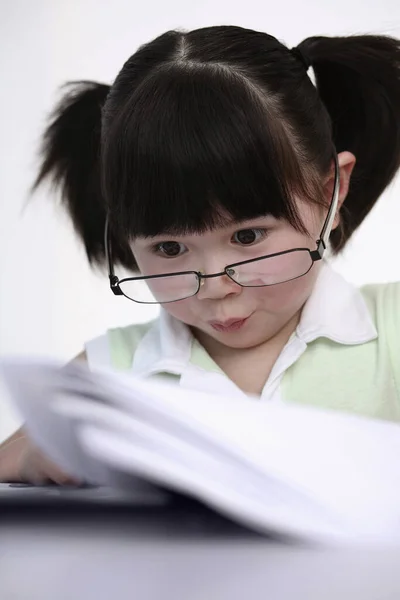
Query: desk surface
{"points": [[55, 551]]}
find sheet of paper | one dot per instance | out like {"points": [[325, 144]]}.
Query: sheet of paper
{"points": [[345, 465], [321, 475]]}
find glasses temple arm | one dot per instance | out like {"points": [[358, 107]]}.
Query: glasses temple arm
{"points": [[107, 251], [326, 230]]}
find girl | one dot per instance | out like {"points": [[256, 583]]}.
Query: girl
{"points": [[217, 172]]}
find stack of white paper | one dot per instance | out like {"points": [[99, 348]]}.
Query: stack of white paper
{"points": [[314, 474]]}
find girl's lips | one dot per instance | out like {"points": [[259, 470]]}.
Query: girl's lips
{"points": [[229, 325]]}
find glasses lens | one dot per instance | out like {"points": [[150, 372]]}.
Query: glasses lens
{"points": [[272, 270], [169, 288]]}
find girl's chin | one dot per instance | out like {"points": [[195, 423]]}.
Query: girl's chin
{"points": [[240, 339]]}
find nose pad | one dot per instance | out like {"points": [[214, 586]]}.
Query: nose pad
{"points": [[217, 287]]}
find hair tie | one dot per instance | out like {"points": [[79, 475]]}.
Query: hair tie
{"points": [[302, 57]]}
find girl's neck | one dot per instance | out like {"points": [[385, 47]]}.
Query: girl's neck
{"points": [[249, 368]]}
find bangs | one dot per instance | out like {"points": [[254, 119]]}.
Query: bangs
{"points": [[195, 146]]}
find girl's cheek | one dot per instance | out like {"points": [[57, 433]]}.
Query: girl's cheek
{"points": [[181, 310], [283, 297]]}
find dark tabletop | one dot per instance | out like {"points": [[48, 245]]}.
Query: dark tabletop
{"points": [[97, 545]]}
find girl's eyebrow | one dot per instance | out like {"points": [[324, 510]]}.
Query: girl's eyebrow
{"points": [[268, 222]]}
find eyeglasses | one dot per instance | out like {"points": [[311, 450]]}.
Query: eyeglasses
{"points": [[263, 271]]}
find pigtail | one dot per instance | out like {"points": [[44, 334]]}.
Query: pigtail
{"points": [[70, 155], [358, 79]]}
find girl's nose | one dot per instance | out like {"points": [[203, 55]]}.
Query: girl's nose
{"points": [[217, 287]]}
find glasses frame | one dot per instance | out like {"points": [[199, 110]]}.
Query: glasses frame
{"points": [[315, 255]]}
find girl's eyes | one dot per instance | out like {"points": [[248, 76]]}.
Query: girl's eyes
{"points": [[169, 249], [247, 237], [243, 237]]}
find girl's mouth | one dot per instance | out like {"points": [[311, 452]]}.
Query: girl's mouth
{"points": [[229, 325]]}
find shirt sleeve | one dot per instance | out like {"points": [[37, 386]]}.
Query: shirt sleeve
{"points": [[391, 312]]}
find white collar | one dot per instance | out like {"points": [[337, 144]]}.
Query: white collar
{"points": [[336, 310]]}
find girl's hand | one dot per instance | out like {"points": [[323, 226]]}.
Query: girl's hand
{"points": [[34, 467], [22, 462]]}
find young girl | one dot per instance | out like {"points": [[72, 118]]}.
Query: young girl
{"points": [[214, 169]]}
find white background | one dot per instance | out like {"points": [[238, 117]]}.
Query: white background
{"points": [[50, 302]]}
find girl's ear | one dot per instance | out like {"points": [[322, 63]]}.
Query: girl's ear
{"points": [[347, 161]]}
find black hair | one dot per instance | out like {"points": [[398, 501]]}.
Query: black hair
{"points": [[223, 121]]}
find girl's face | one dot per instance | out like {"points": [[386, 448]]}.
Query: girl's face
{"points": [[261, 311]]}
